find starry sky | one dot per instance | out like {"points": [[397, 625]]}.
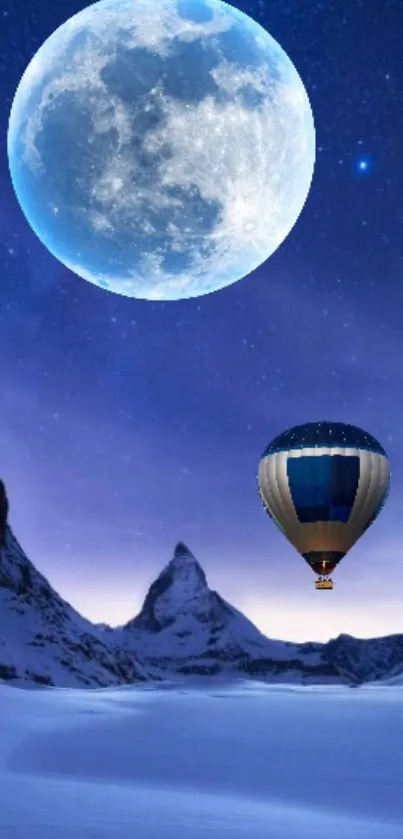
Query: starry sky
{"points": [[127, 425]]}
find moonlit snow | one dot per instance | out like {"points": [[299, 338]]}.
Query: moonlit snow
{"points": [[205, 760], [161, 149]]}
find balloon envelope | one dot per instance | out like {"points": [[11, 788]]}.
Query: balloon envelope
{"points": [[323, 484]]}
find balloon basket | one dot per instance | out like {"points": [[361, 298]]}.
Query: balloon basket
{"points": [[324, 584]]}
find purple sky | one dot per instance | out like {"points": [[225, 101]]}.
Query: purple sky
{"points": [[128, 425]]}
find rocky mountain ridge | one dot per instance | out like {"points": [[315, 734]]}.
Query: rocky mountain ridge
{"points": [[183, 629]]}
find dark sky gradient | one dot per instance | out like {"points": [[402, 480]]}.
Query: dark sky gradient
{"points": [[127, 425]]}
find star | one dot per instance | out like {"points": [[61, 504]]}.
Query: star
{"points": [[363, 165]]}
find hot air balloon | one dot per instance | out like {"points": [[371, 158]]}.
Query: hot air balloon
{"points": [[323, 484]]}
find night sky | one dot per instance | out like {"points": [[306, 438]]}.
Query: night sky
{"points": [[126, 425]]}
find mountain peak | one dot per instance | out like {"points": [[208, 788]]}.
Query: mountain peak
{"points": [[182, 550], [181, 588], [184, 564]]}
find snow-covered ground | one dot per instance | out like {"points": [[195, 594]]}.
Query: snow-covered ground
{"points": [[184, 762]]}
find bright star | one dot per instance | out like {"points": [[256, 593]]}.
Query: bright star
{"points": [[363, 165]]}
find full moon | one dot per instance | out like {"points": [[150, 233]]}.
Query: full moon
{"points": [[161, 149]]}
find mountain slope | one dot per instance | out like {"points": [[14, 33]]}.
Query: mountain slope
{"points": [[44, 640]]}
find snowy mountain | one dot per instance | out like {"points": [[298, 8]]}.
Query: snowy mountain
{"points": [[186, 627], [44, 640], [183, 629], [366, 660]]}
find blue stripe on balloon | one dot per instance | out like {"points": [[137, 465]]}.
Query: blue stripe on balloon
{"points": [[323, 487]]}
